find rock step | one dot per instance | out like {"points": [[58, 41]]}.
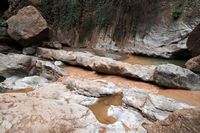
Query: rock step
{"points": [[167, 75], [155, 107]]}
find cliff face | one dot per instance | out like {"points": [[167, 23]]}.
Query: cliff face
{"points": [[149, 27]]}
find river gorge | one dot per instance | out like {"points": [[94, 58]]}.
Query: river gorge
{"points": [[91, 66]]}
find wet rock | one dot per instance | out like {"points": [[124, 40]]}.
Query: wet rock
{"points": [[168, 75], [184, 121], [29, 51], [194, 41], [14, 64], [155, 107], [16, 83], [194, 64], [28, 27], [91, 88], [130, 120], [174, 76], [47, 69]]}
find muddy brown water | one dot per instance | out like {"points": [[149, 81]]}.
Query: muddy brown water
{"points": [[100, 108], [191, 97]]}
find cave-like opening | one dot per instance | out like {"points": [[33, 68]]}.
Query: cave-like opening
{"points": [[4, 5]]}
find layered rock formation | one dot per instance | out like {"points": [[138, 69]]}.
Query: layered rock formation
{"points": [[165, 75]]}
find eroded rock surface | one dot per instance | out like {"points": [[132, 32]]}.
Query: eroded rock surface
{"points": [[16, 83], [47, 69], [23, 65], [178, 77], [28, 27], [184, 121], [154, 106], [175, 76], [91, 88], [14, 64]]}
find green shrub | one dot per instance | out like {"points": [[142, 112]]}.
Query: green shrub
{"points": [[177, 12]]}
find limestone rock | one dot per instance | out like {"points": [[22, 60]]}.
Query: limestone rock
{"points": [[16, 83], [174, 76], [154, 106], [14, 64], [194, 64], [28, 27], [91, 88]]}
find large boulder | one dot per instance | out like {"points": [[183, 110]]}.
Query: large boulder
{"points": [[193, 42], [194, 64], [28, 27], [181, 121], [173, 76]]}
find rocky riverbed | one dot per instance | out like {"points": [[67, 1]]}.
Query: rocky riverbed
{"points": [[46, 87], [63, 98]]}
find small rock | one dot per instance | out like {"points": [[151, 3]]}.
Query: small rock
{"points": [[59, 63], [29, 51], [54, 44]]}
